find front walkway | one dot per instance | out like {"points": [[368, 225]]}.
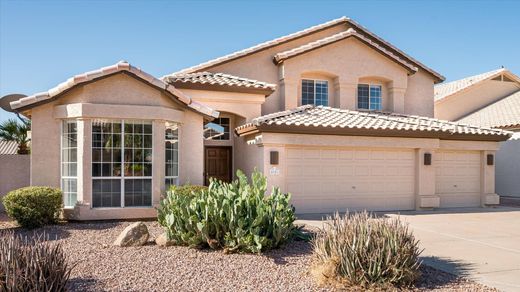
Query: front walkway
{"points": [[481, 244]]}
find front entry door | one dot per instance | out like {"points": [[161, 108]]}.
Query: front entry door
{"points": [[217, 163]]}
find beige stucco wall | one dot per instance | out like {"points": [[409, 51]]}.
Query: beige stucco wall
{"points": [[347, 59], [117, 97], [348, 62], [14, 173], [424, 176], [419, 94], [246, 105], [467, 101], [260, 65]]}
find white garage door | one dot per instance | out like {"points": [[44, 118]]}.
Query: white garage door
{"points": [[325, 180], [457, 178]]}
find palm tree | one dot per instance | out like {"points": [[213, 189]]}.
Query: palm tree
{"points": [[11, 130]]}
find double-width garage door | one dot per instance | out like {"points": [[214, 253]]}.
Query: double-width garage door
{"points": [[326, 180], [457, 178]]}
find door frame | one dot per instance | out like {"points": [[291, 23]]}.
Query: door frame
{"points": [[230, 167]]}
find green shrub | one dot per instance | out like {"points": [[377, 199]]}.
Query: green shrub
{"points": [[234, 216], [32, 265], [360, 250], [33, 207], [188, 190]]}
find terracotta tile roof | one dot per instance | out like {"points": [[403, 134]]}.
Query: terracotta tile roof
{"points": [[307, 31], [106, 71], [310, 117], [218, 79], [504, 113], [444, 90], [8, 147], [280, 57]]}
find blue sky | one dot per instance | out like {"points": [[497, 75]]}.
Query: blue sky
{"points": [[42, 43]]}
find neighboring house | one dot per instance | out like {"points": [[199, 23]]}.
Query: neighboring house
{"points": [[492, 100], [14, 168], [333, 114]]}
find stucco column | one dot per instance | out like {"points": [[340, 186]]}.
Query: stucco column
{"points": [[425, 197], [487, 180], [275, 173], [288, 94], [346, 93], [158, 161], [84, 161], [396, 99]]}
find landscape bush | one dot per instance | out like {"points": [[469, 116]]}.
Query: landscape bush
{"points": [[32, 265], [188, 190], [34, 207], [364, 251], [237, 216]]}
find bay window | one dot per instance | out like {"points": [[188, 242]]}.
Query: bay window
{"points": [[121, 163]]}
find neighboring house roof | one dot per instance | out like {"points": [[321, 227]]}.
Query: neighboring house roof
{"points": [[119, 67], [212, 80], [280, 57], [8, 147], [504, 113], [442, 91], [302, 33], [333, 121]]}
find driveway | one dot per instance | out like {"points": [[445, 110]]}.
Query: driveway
{"points": [[482, 244]]}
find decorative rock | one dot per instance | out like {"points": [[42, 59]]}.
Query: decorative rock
{"points": [[162, 240], [134, 235]]}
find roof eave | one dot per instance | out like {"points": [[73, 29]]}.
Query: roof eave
{"points": [[292, 129]]}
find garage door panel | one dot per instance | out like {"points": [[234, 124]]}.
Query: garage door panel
{"points": [[353, 179], [457, 178]]}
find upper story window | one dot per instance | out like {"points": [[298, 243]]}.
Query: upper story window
{"points": [[315, 92], [369, 97]]}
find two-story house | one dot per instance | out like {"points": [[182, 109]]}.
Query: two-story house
{"points": [[333, 114]]}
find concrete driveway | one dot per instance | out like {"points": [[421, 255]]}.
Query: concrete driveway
{"points": [[482, 244]]}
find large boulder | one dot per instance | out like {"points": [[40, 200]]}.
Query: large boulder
{"points": [[162, 240], [134, 235]]}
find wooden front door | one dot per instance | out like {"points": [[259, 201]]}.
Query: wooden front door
{"points": [[217, 163]]}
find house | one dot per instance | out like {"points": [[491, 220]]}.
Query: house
{"points": [[490, 99], [334, 114]]}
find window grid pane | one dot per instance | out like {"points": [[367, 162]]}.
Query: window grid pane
{"points": [[322, 93], [375, 97], [69, 165], [307, 92], [363, 94], [121, 153], [172, 154], [224, 122]]}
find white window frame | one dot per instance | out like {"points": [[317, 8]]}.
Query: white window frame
{"points": [[178, 154], [369, 85], [122, 177], [62, 177], [314, 87]]}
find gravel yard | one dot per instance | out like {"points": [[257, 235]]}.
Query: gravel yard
{"points": [[101, 266]]}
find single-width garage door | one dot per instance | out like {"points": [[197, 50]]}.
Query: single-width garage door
{"points": [[457, 178], [325, 180]]}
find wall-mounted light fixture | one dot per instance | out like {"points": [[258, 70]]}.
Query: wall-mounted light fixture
{"points": [[273, 159], [427, 159], [490, 159]]}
